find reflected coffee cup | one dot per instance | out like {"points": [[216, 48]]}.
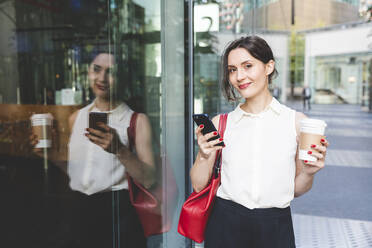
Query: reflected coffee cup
{"points": [[311, 132], [42, 127]]}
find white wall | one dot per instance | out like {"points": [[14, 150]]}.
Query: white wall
{"points": [[340, 41]]}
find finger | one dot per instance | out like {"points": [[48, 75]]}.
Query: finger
{"points": [[38, 151], [315, 154], [321, 149], [95, 132], [210, 135], [216, 148], [96, 140], [318, 163], [202, 139], [213, 149], [215, 142], [324, 142], [34, 142], [33, 137], [104, 126], [205, 146], [198, 130]]}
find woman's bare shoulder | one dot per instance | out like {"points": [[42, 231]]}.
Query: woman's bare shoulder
{"points": [[72, 118], [215, 120]]}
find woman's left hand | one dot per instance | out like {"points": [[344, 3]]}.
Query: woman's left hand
{"points": [[107, 138], [319, 152]]}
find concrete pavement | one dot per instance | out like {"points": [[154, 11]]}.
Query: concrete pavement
{"points": [[337, 212]]}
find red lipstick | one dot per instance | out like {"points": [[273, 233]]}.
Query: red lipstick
{"points": [[243, 86]]}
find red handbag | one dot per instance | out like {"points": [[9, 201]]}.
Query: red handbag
{"points": [[155, 207], [197, 208]]}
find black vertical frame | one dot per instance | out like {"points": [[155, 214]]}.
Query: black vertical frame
{"points": [[189, 90], [189, 97]]}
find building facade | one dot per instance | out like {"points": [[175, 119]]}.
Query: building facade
{"points": [[339, 73], [303, 14]]}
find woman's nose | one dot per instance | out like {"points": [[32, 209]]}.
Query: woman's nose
{"points": [[101, 76], [240, 75]]}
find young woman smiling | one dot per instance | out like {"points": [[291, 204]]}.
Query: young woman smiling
{"points": [[260, 171]]}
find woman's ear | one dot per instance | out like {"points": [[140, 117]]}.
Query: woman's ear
{"points": [[270, 66]]}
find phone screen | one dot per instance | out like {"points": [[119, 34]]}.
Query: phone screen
{"points": [[95, 118], [208, 126]]}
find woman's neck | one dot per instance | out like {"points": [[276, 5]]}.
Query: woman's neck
{"points": [[257, 104], [105, 104]]}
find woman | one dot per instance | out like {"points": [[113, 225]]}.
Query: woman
{"points": [[99, 160], [260, 171]]}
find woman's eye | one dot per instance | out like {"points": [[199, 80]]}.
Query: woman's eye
{"points": [[231, 70], [248, 65], [96, 68]]}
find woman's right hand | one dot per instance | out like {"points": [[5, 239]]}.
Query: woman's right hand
{"points": [[206, 148], [33, 140]]}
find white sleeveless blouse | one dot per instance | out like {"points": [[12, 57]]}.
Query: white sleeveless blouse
{"points": [[258, 162], [90, 168]]}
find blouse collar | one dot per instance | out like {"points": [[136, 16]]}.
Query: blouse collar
{"points": [[117, 113], [239, 113]]}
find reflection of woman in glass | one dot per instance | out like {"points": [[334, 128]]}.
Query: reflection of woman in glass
{"points": [[99, 160], [261, 172]]}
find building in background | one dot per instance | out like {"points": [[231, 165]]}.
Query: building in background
{"points": [[337, 62], [304, 14]]}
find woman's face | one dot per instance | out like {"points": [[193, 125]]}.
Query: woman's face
{"points": [[247, 74], [100, 75]]}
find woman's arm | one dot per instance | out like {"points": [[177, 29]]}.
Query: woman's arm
{"points": [[201, 171], [141, 165], [305, 171]]}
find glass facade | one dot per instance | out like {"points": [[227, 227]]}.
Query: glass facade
{"points": [[52, 55], [341, 79]]}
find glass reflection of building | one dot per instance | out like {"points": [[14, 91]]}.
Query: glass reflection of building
{"points": [[46, 48]]}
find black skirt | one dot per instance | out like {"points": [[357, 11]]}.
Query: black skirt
{"points": [[107, 219], [233, 225]]}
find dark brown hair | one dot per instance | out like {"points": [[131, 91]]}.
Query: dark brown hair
{"points": [[258, 48]]}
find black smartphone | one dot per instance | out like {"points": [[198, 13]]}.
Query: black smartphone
{"points": [[95, 118], [208, 126]]}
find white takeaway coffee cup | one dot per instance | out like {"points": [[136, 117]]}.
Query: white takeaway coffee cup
{"points": [[311, 132], [42, 127]]}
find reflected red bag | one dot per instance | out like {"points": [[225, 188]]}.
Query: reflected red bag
{"points": [[155, 207], [197, 208]]}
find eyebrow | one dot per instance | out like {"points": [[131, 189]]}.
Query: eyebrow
{"points": [[244, 62]]}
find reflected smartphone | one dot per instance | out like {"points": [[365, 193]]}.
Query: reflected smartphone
{"points": [[208, 126], [95, 117]]}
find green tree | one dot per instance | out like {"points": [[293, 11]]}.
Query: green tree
{"points": [[297, 58]]}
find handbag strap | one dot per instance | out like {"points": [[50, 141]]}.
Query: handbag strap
{"points": [[221, 131], [132, 131], [222, 124]]}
